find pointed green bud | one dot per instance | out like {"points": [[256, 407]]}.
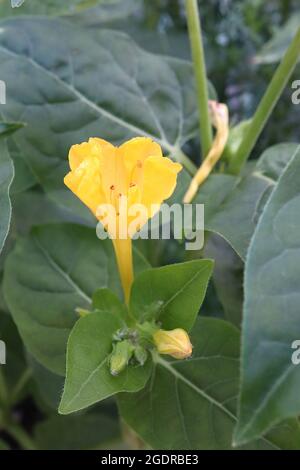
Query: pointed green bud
{"points": [[120, 357], [82, 312], [140, 355]]}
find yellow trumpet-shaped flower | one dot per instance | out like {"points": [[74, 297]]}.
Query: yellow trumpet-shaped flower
{"points": [[220, 120], [134, 173], [175, 343]]}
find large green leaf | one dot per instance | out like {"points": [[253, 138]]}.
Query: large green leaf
{"points": [[6, 177], [8, 128], [270, 381], [231, 202], [274, 160], [88, 378], [17, 3], [34, 207], [76, 84], [48, 275], [84, 432], [49, 386], [227, 277], [191, 404], [173, 294], [50, 7], [24, 178], [234, 219], [14, 351], [230, 205], [213, 192], [274, 49]]}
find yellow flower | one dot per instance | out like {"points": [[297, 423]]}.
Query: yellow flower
{"points": [[175, 343], [102, 174]]}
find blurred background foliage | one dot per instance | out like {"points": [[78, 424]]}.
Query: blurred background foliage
{"points": [[243, 41]]}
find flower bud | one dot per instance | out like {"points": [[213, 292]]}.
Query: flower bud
{"points": [[120, 357], [82, 312], [140, 355], [175, 343]]}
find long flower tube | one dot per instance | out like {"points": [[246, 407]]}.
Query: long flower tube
{"points": [[220, 120]]}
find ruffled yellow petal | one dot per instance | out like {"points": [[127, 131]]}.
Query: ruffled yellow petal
{"points": [[95, 147], [137, 150], [159, 181], [85, 183]]}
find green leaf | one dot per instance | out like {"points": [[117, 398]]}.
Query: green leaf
{"points": [[234, 219], [229, 203], [88, 378], [17, 3], [49, 385], [227, 277], [6, 177], [65, 101], [8, 128], [191, 404], [24, 178], [3, 445], [48, 7], [84, 432], [270, 381], [213, 192], [34, 207], [274, 49], [172, 294], [105, 300], [274, 160], [47, 276], [14, 351], [236, 135]]}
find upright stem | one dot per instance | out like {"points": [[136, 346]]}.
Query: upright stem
{"points": [[267, 104], [182, 158], [195, 34], [6, 418], [3, 390], [15, 394], [21, 436]]}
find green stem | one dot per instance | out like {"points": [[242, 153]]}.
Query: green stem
{"points": [[20, 386], [267, 105], [195, 34], [21, 436], [3, 389], [6, 423], [182, 158]]}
